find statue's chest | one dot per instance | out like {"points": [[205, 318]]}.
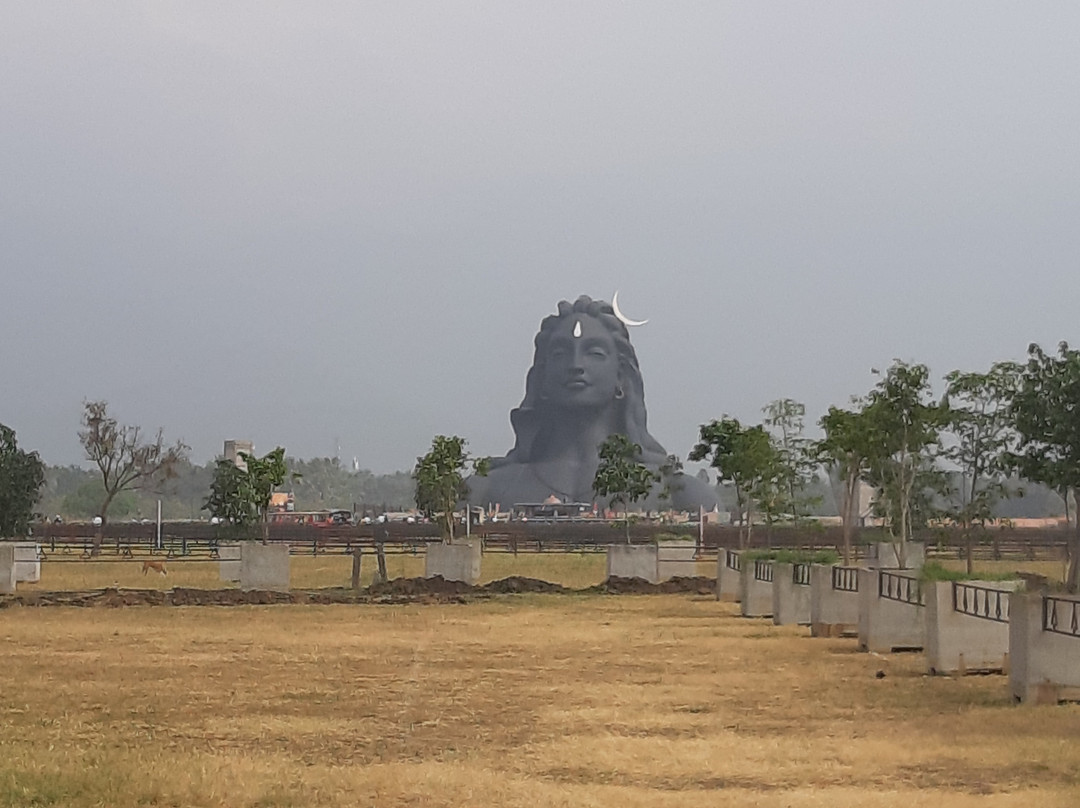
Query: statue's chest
{"points": [[570, 481]]}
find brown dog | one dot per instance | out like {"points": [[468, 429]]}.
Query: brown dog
{"points": [[158, 566]]}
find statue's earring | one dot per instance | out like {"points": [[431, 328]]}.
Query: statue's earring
{"points": [[619, 393]]}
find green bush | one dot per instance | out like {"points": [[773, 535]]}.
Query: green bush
{"points": [[793, 556], [934, 571], [661, 537]]}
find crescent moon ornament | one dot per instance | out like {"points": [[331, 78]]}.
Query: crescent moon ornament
{"points": [[625, 320]]}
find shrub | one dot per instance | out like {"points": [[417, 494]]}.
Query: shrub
{"points": [[793, 556], [934, 571]]}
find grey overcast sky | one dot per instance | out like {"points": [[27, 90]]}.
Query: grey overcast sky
{"points": [[314, 224]]}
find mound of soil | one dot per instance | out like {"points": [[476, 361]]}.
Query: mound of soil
{"points": [[230, 597], [697, 585], [516, 584], [420, 587], [400, 590]]}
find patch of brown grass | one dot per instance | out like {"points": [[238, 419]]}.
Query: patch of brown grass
{"points": [[72, 573], [516, 701]]}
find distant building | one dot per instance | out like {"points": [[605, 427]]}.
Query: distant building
{"points": [[233, 448]]}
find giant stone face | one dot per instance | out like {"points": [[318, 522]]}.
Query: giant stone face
{"points": [[584, 385]]}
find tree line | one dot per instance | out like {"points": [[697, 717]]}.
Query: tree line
{"points": [[133, 471], [956, 458], [75, 493], [951, 459]]}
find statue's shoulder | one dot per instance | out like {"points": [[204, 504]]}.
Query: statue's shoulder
{"points": [[496, 480], [508, 483]]}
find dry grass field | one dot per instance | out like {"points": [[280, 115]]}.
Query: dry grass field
{"points": [[575, 570], [510, 701]]}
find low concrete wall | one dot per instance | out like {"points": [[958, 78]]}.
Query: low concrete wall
{"points": [[1044, 666], [960, 642], [883, 555], [834, 612], [264, 566], [676, 559], [229, 563], [886, 624], [755, 594], [728, 586], [7, 568], [791, 600], [454, 562], [27, 562]]}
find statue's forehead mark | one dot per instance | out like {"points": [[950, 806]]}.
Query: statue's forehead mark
{"points": [[577, 328]]}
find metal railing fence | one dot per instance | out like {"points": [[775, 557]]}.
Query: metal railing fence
{"points": [[981, 601], [899, 588], [845, 579]]}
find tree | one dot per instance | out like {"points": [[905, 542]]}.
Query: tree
{"points": [[1046, 413], [795, 461], [904, 423], [21, 476], [770, 493], [978, 414], [440, 480], [743, 457], [844, 451], [240, 495], [670, 474], [125, 460], [621, 477]]}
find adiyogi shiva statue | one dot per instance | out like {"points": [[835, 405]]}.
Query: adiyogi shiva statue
{"points": [[584, 385]]}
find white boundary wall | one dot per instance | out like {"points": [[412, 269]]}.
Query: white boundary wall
{"points": [[264, 566], [1044, 666], [454, 562], [728, 584], [7, 568], [883, 555], [676, 559], [959, 642], [755, 595], [791, 601], [885, 624], [833, 612], [229, 561], [27, 562]]}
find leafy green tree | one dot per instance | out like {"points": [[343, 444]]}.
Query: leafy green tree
{"points": [[844, 452], [905, 423], [621, 476], [21, 476], [743, 457], [1046, 412], [125, 460], [240, 496], [794, 456], [771, 492], [979, 416], [440, 480]]}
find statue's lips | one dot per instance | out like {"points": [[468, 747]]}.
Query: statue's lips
{"points": [[576, 384]]}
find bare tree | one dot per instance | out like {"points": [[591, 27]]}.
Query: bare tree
{"points": [[125, 460]]}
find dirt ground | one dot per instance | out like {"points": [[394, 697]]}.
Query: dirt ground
{"points": [[399, 590], [511, 700]]}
